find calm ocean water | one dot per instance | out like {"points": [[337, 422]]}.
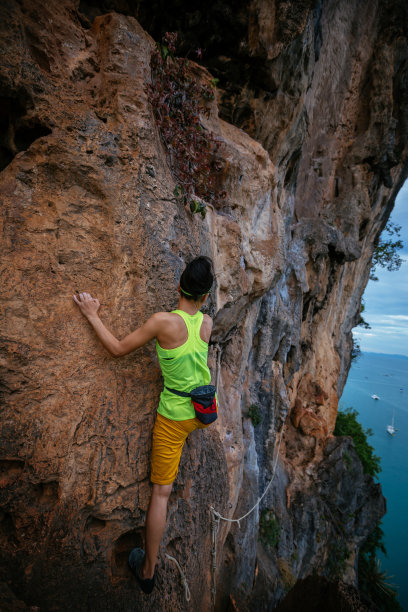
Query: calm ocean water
{"points": [[387, 377]]}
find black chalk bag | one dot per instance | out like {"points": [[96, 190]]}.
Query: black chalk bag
{"points": [[204, 402]]}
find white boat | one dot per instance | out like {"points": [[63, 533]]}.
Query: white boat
{"points": [[375, 397], [390, 428]]}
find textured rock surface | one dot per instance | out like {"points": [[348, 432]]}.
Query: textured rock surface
{"points": [[314, 131]]}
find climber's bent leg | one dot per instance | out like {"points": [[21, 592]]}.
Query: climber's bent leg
{"points": [[168, 441]]}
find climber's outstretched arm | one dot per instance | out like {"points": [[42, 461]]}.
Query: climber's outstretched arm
{"points": [[89, 307]]}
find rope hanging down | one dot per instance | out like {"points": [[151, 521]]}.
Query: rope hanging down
{"points": [[216, 517], [215, 525], [183, 577], [223, 518], [217, 346]]}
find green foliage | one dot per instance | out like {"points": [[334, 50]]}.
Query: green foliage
{"points": [[355, 351], [373, 582], [361, 321], [178, 100], [385, 254], [163, 49], [347, 425], [373, 543], [254, 414], [269, 529], [198, 207]]}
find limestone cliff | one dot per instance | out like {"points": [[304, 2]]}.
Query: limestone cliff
{"points": [[312, 112]]}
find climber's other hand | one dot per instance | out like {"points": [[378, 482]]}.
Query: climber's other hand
{"points": [[88, 305]]}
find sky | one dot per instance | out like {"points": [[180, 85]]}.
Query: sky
{"points": [[386, 300]]}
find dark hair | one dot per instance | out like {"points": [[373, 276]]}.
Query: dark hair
{"points": [[197, 278]]}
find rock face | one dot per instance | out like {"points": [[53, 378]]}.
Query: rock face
{"points": [[312, 112]]}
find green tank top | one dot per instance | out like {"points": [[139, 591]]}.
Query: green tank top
{"points": [[183, 369]]}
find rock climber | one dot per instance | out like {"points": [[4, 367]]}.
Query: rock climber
{"points": [[182, 338]]}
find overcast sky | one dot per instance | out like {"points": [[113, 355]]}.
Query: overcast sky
{"points": [[386, 300]]}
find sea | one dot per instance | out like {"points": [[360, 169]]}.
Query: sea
{"points": [[387, 377]]}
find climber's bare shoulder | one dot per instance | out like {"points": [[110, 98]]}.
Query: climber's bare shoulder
{"points": [[173, 332], [154, 327], [168, 328], [171, 329]]}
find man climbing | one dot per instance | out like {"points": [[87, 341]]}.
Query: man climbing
{"points": [[182, 338]]}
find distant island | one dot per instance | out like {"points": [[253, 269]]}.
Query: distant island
{"points": [[384, 354]]}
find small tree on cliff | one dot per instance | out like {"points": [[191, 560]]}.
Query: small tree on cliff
{"points": [[348, 425], [386, 256], [386, 253]]}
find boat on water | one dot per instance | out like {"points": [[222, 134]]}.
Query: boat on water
{"points": [[375, 397], [391, 429]]}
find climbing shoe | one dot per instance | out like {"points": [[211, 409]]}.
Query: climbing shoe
{"points": [[135, 562]]}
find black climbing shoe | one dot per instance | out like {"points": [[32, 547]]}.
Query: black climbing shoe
{"points": [[135, 562]]}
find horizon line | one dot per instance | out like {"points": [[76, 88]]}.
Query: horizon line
{"points": [[382, 353]]}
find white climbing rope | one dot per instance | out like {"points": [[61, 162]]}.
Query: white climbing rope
{"points": [[223, 518], [217, 346], [183, 577], [215, 524], [216, 517]]}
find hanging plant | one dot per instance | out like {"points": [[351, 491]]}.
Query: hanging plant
{"points": [[178, 99]]}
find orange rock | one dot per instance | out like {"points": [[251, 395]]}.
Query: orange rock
{"points": [[309, 147]]}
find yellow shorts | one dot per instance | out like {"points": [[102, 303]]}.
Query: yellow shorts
{"points": [[168, 441]]}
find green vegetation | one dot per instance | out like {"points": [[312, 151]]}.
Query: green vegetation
{"points": [[362, 322], [347, 425], [179, 97], [372, 582], [355, 351], [269, 529], [385, 254], [254, 414]]}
